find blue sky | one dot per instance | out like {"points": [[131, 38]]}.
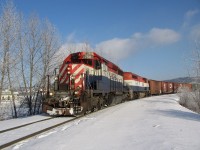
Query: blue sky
{"points": [[151, 38]]}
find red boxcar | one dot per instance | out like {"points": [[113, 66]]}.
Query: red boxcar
{"points": [[176, 86], [170, 87], [164, 86], [188, 85], [179, 85], [155, 87]]}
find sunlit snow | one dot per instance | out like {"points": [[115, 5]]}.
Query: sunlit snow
{"points": [[150, 123]]}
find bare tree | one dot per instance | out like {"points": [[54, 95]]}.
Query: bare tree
{"points": [[196, 61], [196, 68], [33, 56], [27, 50], [51, 43], [21, 45], [41, 39], [189, 99], [8, 26]]}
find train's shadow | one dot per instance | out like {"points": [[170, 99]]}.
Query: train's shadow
{"points": [[180, 114]]}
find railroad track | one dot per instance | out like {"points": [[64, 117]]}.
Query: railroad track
{"points": [[10, 143], [20, 126], [13, 142]]}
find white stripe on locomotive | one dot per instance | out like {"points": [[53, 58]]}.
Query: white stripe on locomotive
{"points": [[64, 68], [64, 74], [136, 83]]}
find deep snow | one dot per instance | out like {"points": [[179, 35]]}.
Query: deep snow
{"points": [[151, 123]]}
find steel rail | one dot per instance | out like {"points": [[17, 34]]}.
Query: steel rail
{"points": [[6, 130], [46, 129], [36, 133]]}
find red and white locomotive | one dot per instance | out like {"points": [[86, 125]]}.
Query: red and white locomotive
{"points": [[85, 81]]}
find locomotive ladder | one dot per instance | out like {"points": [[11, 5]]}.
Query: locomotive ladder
{"points": [[76, 105]]}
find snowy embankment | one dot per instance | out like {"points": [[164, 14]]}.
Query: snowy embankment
{"points": [[151, 123]]}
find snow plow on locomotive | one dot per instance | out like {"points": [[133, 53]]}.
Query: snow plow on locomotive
{"points": [[85, 82]]}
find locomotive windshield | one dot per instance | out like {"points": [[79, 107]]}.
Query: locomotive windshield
{"points": [[75, 61], [87, 62], [82, 61]]}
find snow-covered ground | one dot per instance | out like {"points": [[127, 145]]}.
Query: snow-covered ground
{"points": [[7, 111], [27, 130], [7, 124], [154, 123]]}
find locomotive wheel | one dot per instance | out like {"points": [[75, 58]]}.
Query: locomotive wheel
{"points": [[98, 106], [92, 109], [110, 99], [100, 103], [136, 95]]}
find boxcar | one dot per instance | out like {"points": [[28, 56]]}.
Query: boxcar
{"points": [[155, 87], [170, 87], [187, 85], [164, 87], [176, 87]]}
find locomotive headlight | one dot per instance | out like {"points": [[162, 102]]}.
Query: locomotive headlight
{"points": [[76, 92], [68, 72], [56, 78], [50, 93]]}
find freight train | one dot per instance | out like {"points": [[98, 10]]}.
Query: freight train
{"points": [[86, 82]]}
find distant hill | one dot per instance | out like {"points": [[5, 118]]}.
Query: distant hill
{"points": [[185, 80]]}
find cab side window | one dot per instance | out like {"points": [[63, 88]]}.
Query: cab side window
{"points": [[97, 64]]}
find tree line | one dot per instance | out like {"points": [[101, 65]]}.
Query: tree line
{"points": [[27, 48]]}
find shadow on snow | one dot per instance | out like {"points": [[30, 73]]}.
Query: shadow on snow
{"points": [[180, 114]]}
